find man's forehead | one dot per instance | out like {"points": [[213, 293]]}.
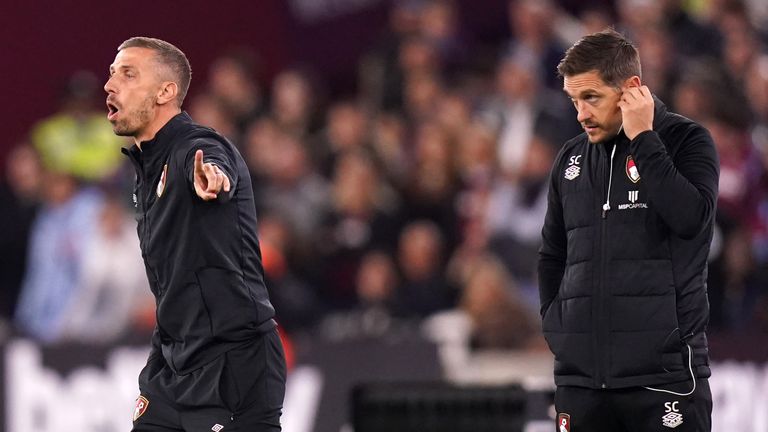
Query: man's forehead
{"points": [[582, 82], [133, 55]]}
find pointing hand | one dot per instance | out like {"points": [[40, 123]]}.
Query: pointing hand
{"points": [[209, 179]]}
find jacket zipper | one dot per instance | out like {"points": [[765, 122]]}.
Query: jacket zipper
{"points": [[143, 201], [602, 330], [147, 233]]}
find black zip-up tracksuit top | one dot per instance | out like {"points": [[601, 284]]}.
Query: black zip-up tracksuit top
{"points": [[623, 290], [202, 257]]}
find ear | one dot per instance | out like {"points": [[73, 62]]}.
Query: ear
{"points": [[633, 81], [167, 93]]}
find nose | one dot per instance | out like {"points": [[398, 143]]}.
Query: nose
{"points": [[583, 113], [108, 87]]}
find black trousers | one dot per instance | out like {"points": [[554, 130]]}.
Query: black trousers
{"points": [[240, 391], [635, 409]]}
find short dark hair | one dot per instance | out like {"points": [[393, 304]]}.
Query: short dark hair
{"points": [[168, 55], [608, 52]]}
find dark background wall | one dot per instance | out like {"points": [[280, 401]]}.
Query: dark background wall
{"points": [[42, 43]]}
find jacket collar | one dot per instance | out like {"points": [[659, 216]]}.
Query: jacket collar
{"points": [[659, 112], [165, 134], [150, 149]]}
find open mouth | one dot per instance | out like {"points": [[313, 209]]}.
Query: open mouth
{"points": [[112, 111]]}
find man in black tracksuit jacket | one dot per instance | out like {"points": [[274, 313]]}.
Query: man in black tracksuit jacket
{"points": [[216, 361], [623, 262]]}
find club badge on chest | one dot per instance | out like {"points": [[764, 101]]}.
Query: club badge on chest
{"points": [[161, 183], [631, 170]]}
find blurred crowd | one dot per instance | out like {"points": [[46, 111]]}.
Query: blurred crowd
{"points": [[420, 194]]}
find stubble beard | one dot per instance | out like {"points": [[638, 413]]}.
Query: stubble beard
{"points": [[135, 122]]}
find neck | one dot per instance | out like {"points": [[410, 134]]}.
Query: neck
{"points": [[163, 116]]}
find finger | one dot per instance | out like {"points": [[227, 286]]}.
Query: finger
{"points": [[213, 178], [219, 183], [222, 180], [646, 92], [226, 183], [199, 162], [203, 194], [632, 94]]}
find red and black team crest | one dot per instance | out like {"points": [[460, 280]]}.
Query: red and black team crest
{"points": [[161, 183], [631, 170], [563, 422], [141, 407]]}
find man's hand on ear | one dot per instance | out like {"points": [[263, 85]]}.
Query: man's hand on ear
{"points": [[636, 106]]}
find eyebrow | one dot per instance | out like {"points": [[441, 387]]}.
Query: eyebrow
{"points": [[583, 93], [121, 67]]}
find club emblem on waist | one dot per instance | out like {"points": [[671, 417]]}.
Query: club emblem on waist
{"points": [[573, 169], [672, 418], [563, 422], [141, 407], [161, 183], [631, 170]]}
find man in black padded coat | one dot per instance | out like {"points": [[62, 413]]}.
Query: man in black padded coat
{"points": [[217, 362], [623, 262]]}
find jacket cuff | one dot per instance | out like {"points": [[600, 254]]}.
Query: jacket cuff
{"points": [[646, 142]]}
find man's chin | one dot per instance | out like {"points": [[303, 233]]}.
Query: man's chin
{"points": [[122, 131], [600, 137], [596, 138]]}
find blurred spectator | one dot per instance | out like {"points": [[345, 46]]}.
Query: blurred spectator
{"points": [[293, 191], [422, 93], [424, 289], [112, 297], [376, 314], [58, 239], [706, 89], [521, 107], [294, 102], [741, 171], [659, 59], [594, 19], [78, 139], [499, 317], [362, 217], [742, 186], [740, 41], [388, 143], [757, 88], [531, 22], [454, 113], [476, 158], [296, 303], [440, 26], [380, 74], [490, 316], [430, 188], [346, 130], [260, 150], [692, 96], [233, 81], [515, 215], [20, 195], [209, 111], [690, 37]]}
